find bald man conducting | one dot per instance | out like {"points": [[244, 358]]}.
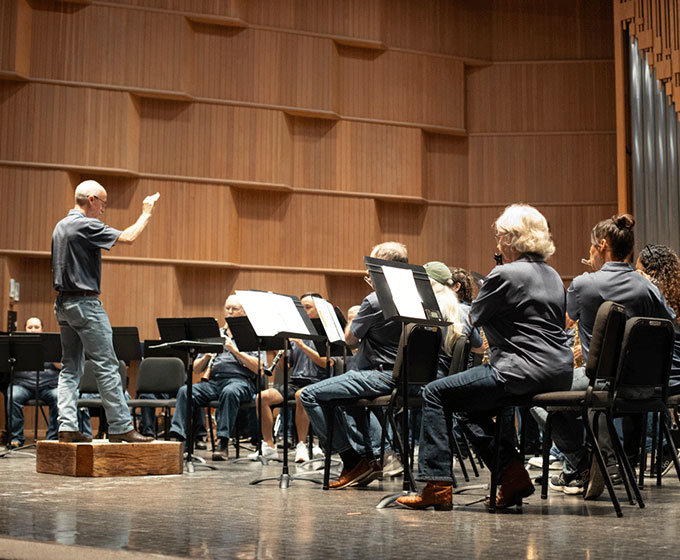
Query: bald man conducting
{"points": [[77, 242]]}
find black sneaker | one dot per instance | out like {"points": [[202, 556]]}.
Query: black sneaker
{"points": [[570, 484]]}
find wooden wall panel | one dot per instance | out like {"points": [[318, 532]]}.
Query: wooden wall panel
{"points": [[442, 26], [109, 45], [445, 167], [539, 168], [223, 8], [215, 141], [15, 37], [264, 67], [399, 86], [303, 230], [551, 29], [37, 295], [347, 291], [348, 18], [541, 97], [356, 157], [50, 193], [429, 233], [66, 125]]}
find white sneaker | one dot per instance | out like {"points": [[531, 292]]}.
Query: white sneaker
{"points": [[317, 452], [301, 452], [267, 453]]}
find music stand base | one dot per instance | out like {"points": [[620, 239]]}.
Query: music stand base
{"points": [[284, 480], [387, 500], [193, 461]]}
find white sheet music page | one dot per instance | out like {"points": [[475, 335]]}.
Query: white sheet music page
{"points": [[405, 294], [271, 314], [329, 320]]}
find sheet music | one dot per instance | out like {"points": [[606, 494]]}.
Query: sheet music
{"points": [[405, 294], [271, 314], [329, 320]]}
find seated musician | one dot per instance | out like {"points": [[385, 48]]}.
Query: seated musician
{"points": [[611, 245], [24, 389], [306, 367], [522, 310], [370, 377], [228, 377]]}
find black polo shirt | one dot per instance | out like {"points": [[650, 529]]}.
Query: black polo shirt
{"points": [[77, 242]]}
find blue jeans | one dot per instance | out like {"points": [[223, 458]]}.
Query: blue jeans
{"points": [[471, 394], [20, 396], [85, 330], [230, 392], [352, 424], [148, 416]]}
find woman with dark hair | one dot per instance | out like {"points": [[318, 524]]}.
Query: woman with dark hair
{"points": [[660, 265], [614, 279], [521, 307]]}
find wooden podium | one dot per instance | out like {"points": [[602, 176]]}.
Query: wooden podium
{"points": [[110, 459]]}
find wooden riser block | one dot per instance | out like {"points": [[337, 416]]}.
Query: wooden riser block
{"points": [[110, 459]]}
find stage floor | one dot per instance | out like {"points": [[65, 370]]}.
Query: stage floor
{"points": [[217, 514]]}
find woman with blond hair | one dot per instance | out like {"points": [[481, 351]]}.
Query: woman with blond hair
{"points": [[521, 307]]}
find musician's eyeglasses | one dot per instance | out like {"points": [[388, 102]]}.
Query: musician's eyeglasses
{"points": [[104, 202]]}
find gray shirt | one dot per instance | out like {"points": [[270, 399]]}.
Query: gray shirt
{"points": [[521, 307], [77, 242], [379, 338], [617, 282]]}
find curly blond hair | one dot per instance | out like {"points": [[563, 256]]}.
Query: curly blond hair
{"points": [[528, 230]]}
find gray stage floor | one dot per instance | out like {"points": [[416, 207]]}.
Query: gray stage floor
{"points": [[217, 514]]}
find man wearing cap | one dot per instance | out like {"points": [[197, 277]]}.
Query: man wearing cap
{"points": [[77, 242]]}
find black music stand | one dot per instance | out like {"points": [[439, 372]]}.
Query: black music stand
{"points": [[192, 335], [406, 304], [23, 352], [286, 326], [247, 340], [126, 344]]}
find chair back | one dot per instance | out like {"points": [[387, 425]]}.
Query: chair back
{"points": [[160, 375], [460, 355], [645, 362], [419, 352], [88, 381], [605, 343]]}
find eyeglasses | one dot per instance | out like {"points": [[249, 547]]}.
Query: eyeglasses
{"points": [[104, 202]]}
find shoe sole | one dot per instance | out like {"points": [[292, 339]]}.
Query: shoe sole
{"points": [[349, 483], [595, 485], [437, 507]]}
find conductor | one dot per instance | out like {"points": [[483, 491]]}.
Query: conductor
{"points": [[77, 242]]}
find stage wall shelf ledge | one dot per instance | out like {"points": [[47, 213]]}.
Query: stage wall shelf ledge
{"points": [[221, 21]]}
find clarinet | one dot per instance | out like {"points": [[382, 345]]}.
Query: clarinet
{"points": [[270, 370]]}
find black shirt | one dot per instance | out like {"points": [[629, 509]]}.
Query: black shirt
{"points": [[77, 242]]}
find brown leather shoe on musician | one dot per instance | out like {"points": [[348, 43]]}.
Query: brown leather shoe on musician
{"points": [[73, 437], [133, 436], [435, 494], [351, 478], [515, 485]]}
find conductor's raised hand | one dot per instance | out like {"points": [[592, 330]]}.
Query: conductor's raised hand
{"points": [[149, 203]]}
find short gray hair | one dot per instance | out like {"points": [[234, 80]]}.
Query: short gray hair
{"points": [[390, 251], [528, 230], [87, 188]]}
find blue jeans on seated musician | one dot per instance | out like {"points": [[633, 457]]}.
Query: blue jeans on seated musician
{"points": [[20, 396], [352, 427], [230, 391], [148, 416], [472, 395]]}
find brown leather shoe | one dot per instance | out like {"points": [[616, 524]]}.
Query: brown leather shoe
{"points": [[351, 478], [133, 436], [73, 437], [435, 494], [515, 485], [375, 474]]}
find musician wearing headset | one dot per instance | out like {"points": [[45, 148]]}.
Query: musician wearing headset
{"points": [[228, 377], [306, 367]]}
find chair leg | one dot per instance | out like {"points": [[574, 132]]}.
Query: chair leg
{"points": [[210, 430], [642, 460], [456, 448], [329, 410], [601, 462], [547, 444], [471, 458], [493, 486], [671, 443], [626, 471]]}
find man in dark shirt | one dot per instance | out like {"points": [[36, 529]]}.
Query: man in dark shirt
{"points": [[24, 389], [77, 242], [371, 376]]}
